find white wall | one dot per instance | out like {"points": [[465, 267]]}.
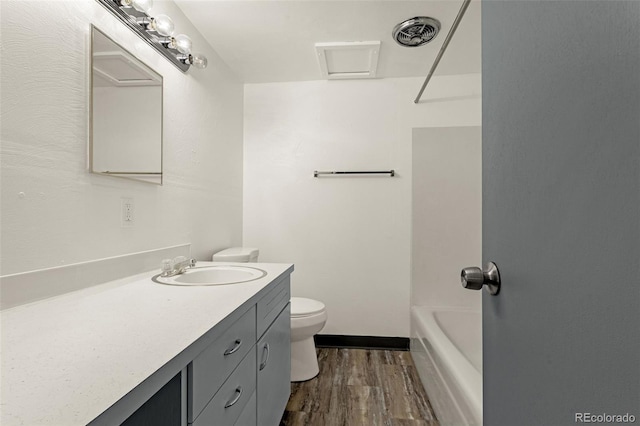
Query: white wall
{"points": [[350, 238], [447, 215], [53, 211]]}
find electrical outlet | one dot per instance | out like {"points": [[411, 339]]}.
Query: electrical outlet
{"points": [[127, 212]]}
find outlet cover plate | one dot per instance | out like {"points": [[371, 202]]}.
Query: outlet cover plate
{"points": [[127, 212]]}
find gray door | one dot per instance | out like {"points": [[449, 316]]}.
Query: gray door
{"points": [[561, 210]]}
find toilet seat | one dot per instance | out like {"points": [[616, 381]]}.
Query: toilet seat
{"points": [[303, 307]]}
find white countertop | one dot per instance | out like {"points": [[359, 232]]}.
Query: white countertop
{"points": [[66, 359]]}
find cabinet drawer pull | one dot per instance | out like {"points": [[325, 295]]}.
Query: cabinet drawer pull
{"points": [[235, 398], [263, 364], [236, 346]]}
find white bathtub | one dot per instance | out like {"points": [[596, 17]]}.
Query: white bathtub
{"points": [[446, 345]]}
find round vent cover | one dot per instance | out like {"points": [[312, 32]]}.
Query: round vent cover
{"points": [[417, 31]]}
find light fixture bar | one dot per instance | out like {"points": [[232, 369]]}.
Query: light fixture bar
{"points": [[130, 18]]}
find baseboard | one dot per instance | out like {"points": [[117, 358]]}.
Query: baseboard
{"points": [[361, 342]]}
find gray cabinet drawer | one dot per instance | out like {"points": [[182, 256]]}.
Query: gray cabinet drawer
{"points": [[248, 416], [274, 370], [272, 304], [228, 403], [211, 368]]}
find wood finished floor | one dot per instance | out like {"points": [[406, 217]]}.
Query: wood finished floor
{"points": [[360, 387]]}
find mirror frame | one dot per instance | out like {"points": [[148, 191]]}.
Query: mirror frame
{"points": [[91, 125]]}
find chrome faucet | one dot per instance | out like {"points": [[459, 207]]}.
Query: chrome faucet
{"points": [[177, 266]]}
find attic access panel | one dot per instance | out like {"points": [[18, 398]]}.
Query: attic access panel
{"points": [[348, 60]]}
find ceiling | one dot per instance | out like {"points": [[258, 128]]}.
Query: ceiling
{"points": [[273, 41]]}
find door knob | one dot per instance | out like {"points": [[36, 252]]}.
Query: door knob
{"points": [[474, 278]]}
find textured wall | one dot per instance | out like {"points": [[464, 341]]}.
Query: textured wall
{"points": [[53, 211], [350, 238]]}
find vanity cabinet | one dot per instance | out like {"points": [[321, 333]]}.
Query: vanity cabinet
{"points": [[271, 305], [243, 377], [215, 364], [248, 416], [229, 401], [165, 356], [274, 362], [164, 408]]}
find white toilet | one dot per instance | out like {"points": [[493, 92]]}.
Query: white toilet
{"points": [[308, 317], [236, 254]]}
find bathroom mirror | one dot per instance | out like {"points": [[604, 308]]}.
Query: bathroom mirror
{"points": [[126, 113]]}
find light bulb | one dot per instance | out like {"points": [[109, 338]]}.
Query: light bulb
{"points": [[182, 43], [198, 60], [142, 5], [139, 5], [162, 24]]}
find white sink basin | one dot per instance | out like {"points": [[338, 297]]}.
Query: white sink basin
{"points": [[213, 275]]}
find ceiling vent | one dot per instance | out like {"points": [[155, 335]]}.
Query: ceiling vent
{"points": [[348, 60], [415, 32]]}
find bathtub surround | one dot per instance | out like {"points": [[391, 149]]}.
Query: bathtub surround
{"points": [[446, 215], [56, 213], [447, 228], [349, 237]]}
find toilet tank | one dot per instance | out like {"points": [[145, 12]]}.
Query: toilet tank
{"points": [[237, 254]]}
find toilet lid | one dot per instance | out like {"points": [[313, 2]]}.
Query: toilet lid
{"points": [[301, 307]]}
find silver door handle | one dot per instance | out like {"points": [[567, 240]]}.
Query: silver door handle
{"points": [[474, 278]]}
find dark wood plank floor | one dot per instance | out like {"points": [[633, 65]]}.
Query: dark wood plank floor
{"points": [[360, 387]]}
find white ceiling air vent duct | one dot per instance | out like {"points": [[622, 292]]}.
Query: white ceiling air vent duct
{"points": [[348, 60]]}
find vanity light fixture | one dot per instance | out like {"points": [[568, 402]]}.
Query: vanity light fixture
{"points": [[161, 24], [143, 6], [157, 31], [181, 43], [197, 60]]}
